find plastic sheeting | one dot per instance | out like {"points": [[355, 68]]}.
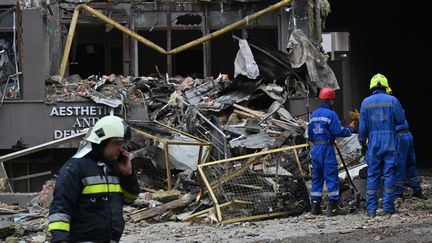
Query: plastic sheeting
{"points": [[302, 51], [245, 63]]}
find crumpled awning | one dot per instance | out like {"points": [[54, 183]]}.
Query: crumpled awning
{"points": [[302, 51]]}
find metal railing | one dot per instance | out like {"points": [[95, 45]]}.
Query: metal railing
{"points": [[254, 186], [214, 135]]}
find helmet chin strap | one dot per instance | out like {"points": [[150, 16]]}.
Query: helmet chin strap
{"points": [[93, 150]]}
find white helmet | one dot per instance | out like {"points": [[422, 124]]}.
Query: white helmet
{"points": [[109, 127]]}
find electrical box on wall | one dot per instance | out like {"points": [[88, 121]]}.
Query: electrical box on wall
{"points": [[337, 44]]}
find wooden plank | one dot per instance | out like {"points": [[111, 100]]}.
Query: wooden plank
{"points": [[273, 133], [192, 216], [166, 196], [255, 217], [254, 112], [245, 114], [149, 213], [149, 189]]}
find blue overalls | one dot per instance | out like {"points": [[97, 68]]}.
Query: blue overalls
{"points": [[406, 159], [379, 115], [323, 127]]}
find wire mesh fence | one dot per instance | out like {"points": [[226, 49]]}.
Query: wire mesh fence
{"points": [[168, 149], [259, 185]]}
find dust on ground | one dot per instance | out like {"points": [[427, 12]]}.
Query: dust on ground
{"points": [[413, 223]]}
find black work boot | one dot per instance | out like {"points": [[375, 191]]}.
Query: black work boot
{"points": [[316, 208], [333, 209]]}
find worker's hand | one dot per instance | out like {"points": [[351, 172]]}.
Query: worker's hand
{"points": [[124, 163], [364, 148], [353, 126]]}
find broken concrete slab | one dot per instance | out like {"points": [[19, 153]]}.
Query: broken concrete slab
{"points": [[275, 91], [6, 228], [20, 199], [45, 197]]}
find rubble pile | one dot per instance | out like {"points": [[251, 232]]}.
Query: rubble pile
{"points": [[240, 124], [27, 224], [236, 117]]}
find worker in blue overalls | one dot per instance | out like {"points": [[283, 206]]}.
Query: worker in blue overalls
{"points": [[406, 161], [380, 113], [323, 127]]}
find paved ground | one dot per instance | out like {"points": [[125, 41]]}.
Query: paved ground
{"points": [[413, 223]]}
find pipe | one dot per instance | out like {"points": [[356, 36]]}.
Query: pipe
{"points": [[123, 29], [150, 44], [40, 147], [69, 39], [107, 20], [230, 27]]}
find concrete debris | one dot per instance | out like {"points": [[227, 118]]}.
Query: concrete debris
{"points": [[274, 91], [45, 197], [4, 184], [258, 141], [6, 228], [148, 213], [22, 200]]}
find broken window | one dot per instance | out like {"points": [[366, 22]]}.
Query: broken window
{"points": [[10, 87], [148, 58], [96, 50]]}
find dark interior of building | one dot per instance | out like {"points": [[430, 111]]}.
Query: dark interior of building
{"points": [[390, 38], [96, 51]]}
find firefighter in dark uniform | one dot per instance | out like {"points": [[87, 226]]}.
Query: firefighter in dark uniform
{"points": [[92, 187]]}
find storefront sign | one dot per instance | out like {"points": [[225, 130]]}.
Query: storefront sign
{"points": [[83, 117]]}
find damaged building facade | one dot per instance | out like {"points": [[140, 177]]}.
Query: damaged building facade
{"points": [[39, 105]]}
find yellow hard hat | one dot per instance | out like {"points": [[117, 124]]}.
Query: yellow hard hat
{"points": [[109, 127], [389, 90], [378, 80]]}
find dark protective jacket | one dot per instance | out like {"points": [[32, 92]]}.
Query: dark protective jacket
{"points": [[88, 201]]}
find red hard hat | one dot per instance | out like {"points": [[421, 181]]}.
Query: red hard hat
{"points": [[327, 94]]}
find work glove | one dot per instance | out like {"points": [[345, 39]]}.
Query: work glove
{"points": [[353, 127], [363, 148]]}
